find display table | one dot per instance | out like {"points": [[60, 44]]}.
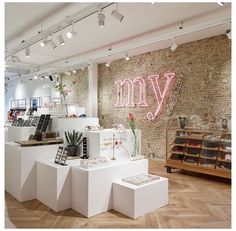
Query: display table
{"points": [[100, 143], [91, 189], [20, 168], [69, 124], [19, 133], [135, 201], [53, 183]]}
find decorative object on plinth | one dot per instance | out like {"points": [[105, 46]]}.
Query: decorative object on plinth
{"points": [[38, 135], [73, 139], [64, 91], [183, 122], [224, 123], [132, 124]]}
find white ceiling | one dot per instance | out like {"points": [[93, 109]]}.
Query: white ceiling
{"points": [[142, 22]]}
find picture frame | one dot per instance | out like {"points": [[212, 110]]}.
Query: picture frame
{"points": [[34, 103], [44, 101], [14, 104], [22, 103]]}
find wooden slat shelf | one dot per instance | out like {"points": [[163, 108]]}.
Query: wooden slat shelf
{"points": [[28, 143], [223, 160], [192, 155], [208, 158], [177, 153], [192, 146], [203, 164], [212, 149]]}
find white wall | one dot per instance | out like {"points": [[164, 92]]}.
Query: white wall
{"points": [[36, 88]]}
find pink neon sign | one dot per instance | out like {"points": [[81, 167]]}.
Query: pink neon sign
{"points": [[130, 84]]}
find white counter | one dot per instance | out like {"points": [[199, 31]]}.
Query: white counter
{"points": [[91, 189], [69, 124], [19, 133], [100, 143], [20, 168]]}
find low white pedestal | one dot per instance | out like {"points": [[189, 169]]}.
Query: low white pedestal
{"points": [[20, 168], [53, 183], [91, 189], [69, 124], [135, 201], [19, 133], [100, 143]]}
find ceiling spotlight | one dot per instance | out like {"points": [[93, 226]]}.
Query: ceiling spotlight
{"points": [[74, 71], [67, 72], [46, 77], [30, 79], [51, 43], [50, 77], [60, 39], [228, 33], [117, 14], [220, 3], [126, 56], [101, 18], [173, 47], [27, 52], [71, 33], [35, 77], [42, 77], [43, 42]]}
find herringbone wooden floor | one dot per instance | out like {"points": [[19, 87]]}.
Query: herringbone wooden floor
{"points": [[195, 201]]}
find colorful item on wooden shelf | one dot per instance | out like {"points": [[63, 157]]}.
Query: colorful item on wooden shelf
{"points": [[224, 123], [205, 151], [183, 122]]}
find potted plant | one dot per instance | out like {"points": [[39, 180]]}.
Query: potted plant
{"points": [[73, 140], [38, 135]]}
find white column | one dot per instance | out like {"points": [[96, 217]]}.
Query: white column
{"points": [[93, 90]]}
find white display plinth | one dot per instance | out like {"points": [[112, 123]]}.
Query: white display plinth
{"points": [[20, 168], [91, 189], [100, 143], [53, 184], [69, 124], [6, 133], [19, 133], [135, 201]]}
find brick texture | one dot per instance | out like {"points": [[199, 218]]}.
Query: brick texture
{"points": [[204, 97]]}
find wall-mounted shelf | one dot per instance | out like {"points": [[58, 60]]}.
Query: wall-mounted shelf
{"points": [[202, 151]]}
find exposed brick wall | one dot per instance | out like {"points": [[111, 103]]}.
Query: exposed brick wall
{"points": [[78, 84], [205, 95]]}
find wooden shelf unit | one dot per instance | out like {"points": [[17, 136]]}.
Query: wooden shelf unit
{"points": [[209, 149]]}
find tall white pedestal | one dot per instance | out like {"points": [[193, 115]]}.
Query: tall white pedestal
{"points": [[54, 183], [91, 189], [20, 168], [135, 201], [100, 143], [19, 133]]}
